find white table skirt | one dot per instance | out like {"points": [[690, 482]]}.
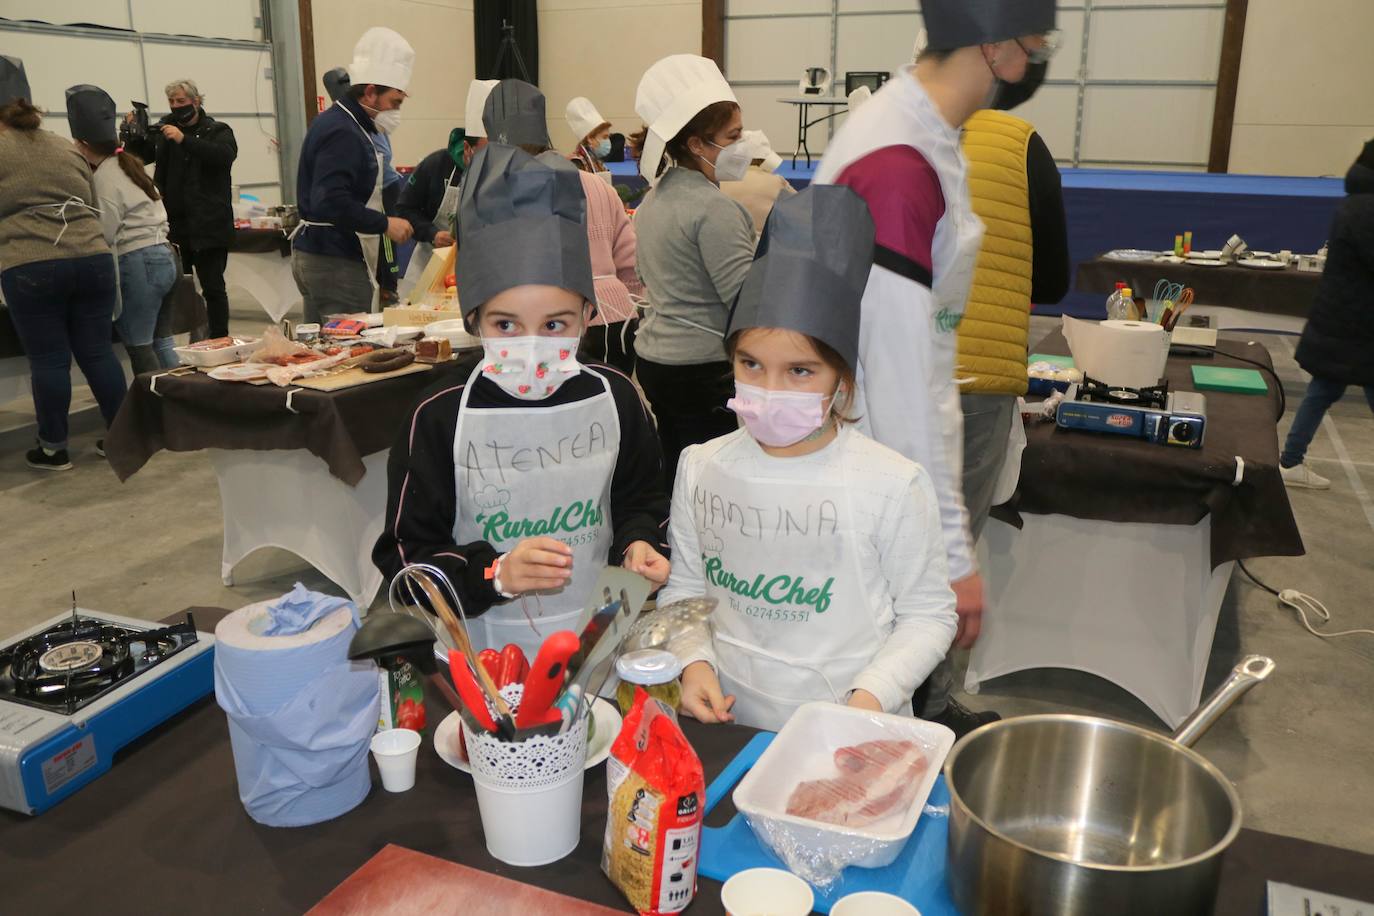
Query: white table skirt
{"points": [[1135, 604], [288, 499], [266, 276]]}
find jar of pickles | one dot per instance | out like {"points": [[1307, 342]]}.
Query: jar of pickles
{"points": [[656, 670]]}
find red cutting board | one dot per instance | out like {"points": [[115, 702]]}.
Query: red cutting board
{"points": [[401, 881]]}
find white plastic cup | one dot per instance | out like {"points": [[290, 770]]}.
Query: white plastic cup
{"points": [[396, 751], [529, 827], [873, 903], [770, 891]]}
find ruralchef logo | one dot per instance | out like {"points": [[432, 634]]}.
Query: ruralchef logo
{"points": [[782, 589], [499, 526]]}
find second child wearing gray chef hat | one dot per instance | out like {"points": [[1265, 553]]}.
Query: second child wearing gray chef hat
{"points": [[828, 565], [901, 153], [524, 472], [134, 223]]}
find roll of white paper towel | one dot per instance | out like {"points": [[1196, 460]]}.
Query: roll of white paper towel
{"points": [[1128, 354], [300, 713]]}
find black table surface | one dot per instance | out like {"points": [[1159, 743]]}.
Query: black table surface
{"points": [[164, 832], [1117, 478], [259, 241], [1279, 292], [192, 411]]}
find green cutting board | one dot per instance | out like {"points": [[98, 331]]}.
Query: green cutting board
{"points": [[1223, 378], [1063, 362]]}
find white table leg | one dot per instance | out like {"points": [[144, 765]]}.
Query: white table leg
{"points": [[1135, 604], [288, 499]]}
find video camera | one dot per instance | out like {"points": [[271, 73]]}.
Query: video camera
{"points": [[136, 130]]}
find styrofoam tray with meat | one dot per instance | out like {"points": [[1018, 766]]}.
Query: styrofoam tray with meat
{"points": [[841, 786]]}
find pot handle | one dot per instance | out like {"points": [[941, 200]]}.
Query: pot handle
{"points": [[1251, 670]]}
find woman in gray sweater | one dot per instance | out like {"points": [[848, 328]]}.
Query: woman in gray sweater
{"points": [[56, 273], [695, 248]]}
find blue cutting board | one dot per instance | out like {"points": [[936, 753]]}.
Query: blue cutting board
{"points": [[918, 874]]}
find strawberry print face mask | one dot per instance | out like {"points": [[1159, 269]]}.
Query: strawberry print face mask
{"points": [[530, 368]]}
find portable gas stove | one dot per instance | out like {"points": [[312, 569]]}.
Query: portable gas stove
{"points": [[1155, 414], [78, 688]]}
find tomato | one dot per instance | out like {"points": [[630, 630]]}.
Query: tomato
{"points": [[410, 714], [450, 281]]}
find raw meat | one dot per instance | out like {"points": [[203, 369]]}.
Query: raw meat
{"points": [[876, 778]]}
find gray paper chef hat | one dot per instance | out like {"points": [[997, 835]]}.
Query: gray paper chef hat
{"points": [[954, 24], [91, 114], [810, 269], [14, 82], [522, 222], [337, 82], [514, 115]]}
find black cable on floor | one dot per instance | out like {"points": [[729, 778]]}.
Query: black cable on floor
{"points": [[1255, 579]]}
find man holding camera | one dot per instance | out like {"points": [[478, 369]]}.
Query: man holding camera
{"points": [[193, 154]]}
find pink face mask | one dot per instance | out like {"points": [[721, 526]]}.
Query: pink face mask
{"points": [[778, 418]]}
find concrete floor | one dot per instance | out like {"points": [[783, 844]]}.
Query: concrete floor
{"points": [[1299, 748]]}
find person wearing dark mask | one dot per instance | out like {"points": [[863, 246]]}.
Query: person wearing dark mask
{"points": [[429, 200], [1337, 345], [1015, 190], [193, 155], [901, 153], [340, 178]]}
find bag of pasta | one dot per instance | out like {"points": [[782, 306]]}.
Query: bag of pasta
{"points": [[653, 829]]}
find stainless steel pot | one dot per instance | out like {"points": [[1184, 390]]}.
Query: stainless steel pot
{"points": [[1083, 816]]}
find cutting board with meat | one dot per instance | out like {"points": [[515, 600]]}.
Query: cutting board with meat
{"points": [[401, 881], [355, 376], [917, 874]]}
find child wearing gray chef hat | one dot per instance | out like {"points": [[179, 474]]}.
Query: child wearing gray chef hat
{"points": [[526, 471], [821, 546]]}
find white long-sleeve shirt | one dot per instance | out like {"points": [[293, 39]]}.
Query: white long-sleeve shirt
{"points": [[901, 556]]}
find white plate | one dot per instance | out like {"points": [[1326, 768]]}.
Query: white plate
{"points": [[239, 373], [1131, 254], [607, 727], [1262, 264], [395, 333], [1206, 262]]}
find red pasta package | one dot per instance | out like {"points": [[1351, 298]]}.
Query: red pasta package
{"points": [[656, 790]]}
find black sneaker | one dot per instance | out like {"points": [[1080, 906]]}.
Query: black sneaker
{"points": [[961, 720], [100, 447], [42, 459]]}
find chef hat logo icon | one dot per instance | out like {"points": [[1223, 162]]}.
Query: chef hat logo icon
{"points": [[711, 542], [490, 497]]}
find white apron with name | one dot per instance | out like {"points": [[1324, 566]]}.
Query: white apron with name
{"points": [[531, 472], [783, 559], [443, 218], [367, 241]]}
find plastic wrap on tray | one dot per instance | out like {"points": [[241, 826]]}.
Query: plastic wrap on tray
{"points": [[841, 787]]}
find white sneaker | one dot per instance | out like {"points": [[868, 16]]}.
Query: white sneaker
{"points": [[1300, 475]]}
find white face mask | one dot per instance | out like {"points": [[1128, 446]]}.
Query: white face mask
{"points": [[388, 122], [530, 368], [732, 164]]}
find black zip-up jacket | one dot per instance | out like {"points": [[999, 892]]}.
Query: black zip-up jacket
{"points": [[194, 178]]}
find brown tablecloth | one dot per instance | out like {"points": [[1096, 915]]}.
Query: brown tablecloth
{"points": [[193, 412], [260, 241], [164, 831], [1118, 479], [1279, 292]]}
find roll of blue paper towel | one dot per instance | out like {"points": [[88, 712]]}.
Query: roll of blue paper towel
{"points": [[300, 713]]}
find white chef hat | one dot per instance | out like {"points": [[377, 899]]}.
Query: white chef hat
{"points": [[671, 93], [383, 58], [478, 90], [763, 149], [583, 117]]}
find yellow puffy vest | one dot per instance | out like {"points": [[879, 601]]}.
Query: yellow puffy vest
{"points": [[992, 334]]}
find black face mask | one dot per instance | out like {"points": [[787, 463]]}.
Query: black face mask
{"points": [[183, 114], [1009, 95]]}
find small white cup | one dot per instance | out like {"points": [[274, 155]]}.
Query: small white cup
{"points": [[396, 751], [767, 892], [873, 903]]}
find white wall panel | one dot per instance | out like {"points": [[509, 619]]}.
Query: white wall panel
{"points": [[230, 79], [1064, 64], [54, 62], [771, 49], [1147, 124], [876, 42], [1053, 110], [111, 13], [902, 6], [768, 7], [204, 18], [257, 159], [1155, 44]]}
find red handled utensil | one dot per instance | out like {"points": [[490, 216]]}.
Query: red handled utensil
{"points": [[469, 691], [545, 680]]}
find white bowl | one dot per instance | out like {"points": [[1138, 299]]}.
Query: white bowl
{"points": [[873, 903], [804, 749], [767, 892]]}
